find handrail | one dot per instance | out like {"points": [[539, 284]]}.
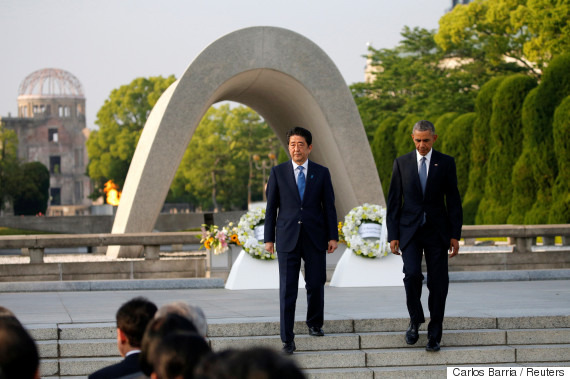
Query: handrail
{"points": [[524, 236], [151, 242]]}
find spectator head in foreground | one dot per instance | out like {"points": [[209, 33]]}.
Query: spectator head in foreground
{"points": [[132, 319], [155, 333], [178, 354], [191, 312], [19, 358], [252, 363]]}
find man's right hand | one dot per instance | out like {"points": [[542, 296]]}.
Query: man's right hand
{"points": [[269, 247], [395, 247]]}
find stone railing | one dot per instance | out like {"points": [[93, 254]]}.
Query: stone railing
{"points": [[523, 236], [151, 242]]}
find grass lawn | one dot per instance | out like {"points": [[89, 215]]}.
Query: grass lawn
{"points": [[16, 232]]}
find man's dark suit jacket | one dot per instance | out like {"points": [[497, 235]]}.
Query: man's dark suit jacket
{"points": [[285, 212], [129, 365], [406, 204]]}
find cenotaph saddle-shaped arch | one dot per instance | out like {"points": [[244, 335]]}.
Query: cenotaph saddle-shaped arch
{"points": [[285, 78]]}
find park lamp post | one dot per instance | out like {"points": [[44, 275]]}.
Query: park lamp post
{"points": [[264, 164]]}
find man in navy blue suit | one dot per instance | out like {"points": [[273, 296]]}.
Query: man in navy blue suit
{"points": [[425, 216], [132, 319], [300, 223]]}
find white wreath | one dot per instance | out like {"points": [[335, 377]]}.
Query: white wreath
{"points": [[366, 247], [246, 234]]}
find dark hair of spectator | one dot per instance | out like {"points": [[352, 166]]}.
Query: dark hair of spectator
{"points": [[19, 358], [133, 317], [253, 363], [155, 332], [177, 355]]}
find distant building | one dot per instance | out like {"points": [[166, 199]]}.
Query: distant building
{"points": [[458, 2], [51, 129]]}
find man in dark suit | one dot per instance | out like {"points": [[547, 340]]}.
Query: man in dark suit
{"points": [[425, 216], [132, 319], [300, 223]]}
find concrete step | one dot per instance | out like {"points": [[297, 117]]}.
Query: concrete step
{"points": [[474, 337], [538, 336], [107, 347], [331, 359], [447, 356], [229, 328], [369, 348], [339, 373], [341, 341]]}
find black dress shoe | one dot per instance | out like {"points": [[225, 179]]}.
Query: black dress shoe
{"points": [[316, 332], [289, 347], [432, 345], [412, 333]]}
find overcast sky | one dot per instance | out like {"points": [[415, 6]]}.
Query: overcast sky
{"points": [[108, 43]]}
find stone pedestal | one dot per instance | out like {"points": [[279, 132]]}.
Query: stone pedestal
{"points": [[250, 273], [356, 271]]}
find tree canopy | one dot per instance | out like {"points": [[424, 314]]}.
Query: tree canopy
{"points": [[121, 120], [32, 195], [218, 170], [499, 33], [9, 165]]}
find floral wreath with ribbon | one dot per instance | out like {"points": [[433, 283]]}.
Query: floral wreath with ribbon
{"points": [[366, 247], [246, 234]]}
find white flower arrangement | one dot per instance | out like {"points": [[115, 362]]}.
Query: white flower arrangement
{"points": [[366, 247], [246, 234]]}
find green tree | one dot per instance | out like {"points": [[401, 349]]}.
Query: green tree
{"points": [[524, 185], [403, 135], [506, 133], [33, 192], [218, 166], [414, 78], [9, 165], [384, 150], [480, 147], [441, 124], [496, 32], [546, 24], [538, 114], [560, 209], [457, 143], [121, 120]]}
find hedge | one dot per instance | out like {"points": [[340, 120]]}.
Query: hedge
{"points": [[384, 150], [560, 210], [537, 120], [458, 144], [480, 154], [506, 135]]}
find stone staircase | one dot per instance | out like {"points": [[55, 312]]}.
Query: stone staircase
{"points": [[367, 348]]}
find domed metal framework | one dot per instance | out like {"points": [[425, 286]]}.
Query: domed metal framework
{"points": [[51, 82]]}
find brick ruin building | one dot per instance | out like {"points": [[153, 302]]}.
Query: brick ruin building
{"points": [[51, 129]]}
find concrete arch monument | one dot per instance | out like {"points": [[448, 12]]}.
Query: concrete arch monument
{"points": [[284, 77]]}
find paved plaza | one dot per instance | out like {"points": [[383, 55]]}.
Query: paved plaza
{"points": [[466, 299]]}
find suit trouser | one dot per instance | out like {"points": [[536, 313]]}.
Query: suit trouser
{"points": [[315, 278], [427, 241]]}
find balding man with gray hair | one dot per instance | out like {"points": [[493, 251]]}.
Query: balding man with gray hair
{"points": [[191, 312]]}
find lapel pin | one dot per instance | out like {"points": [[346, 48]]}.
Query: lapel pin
{"points": [[435, 164]]}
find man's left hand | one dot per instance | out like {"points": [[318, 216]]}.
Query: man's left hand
{"points": [[453, 248], [332, 246]]}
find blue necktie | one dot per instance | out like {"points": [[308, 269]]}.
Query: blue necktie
{"points": [[423, 180], [423, 174], [301, 182]]}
